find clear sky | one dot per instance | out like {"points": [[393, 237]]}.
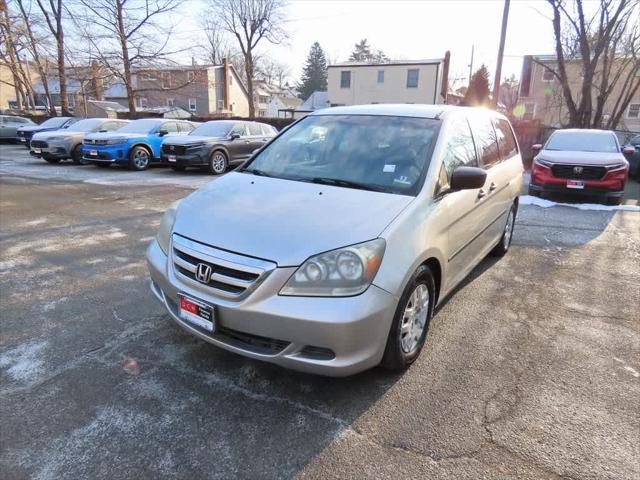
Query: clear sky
{"points": [[404, 29]]}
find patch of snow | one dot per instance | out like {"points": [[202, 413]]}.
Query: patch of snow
{"points": [[544, 203], [23, 363]]}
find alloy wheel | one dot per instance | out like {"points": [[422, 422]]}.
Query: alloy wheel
{"points": [[218, 163], [414, 318], [141, 158]]}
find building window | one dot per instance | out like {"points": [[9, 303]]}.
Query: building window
{"points": [[147, 76], [380, 76], [141, 102], [166, 79], [171, 102], [220, 104], [412, 78], [192, 105], [345, 79], [547, 75], [191, 76], [634, 111], [263, 99], [529, 111]]}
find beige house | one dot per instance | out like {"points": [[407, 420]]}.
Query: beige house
{"points": [[541, 93], [409, 81], [198, 89]]}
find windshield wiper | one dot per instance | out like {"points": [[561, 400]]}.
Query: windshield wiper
{"points": [[348, 184], [255, 171]]}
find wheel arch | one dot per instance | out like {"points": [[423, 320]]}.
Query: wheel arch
{"points": [[436, 270], [144, 145]]}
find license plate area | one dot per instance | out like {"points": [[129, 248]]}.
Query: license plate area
{"points": [[93, 153], [197, 313], [172, 158], [22, 139], [575, 184], [37, 150]]}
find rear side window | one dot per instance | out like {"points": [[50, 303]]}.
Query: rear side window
{"points": [[171, 127], [186, 127], [486, 140], [460, 152], [268, 130], [240, 129], [255, 130], [506, 141], [109, 126]]}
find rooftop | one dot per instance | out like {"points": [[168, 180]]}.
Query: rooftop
{"points": [[389, 63]]}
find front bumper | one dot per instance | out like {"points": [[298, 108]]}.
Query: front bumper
{"points": [[110, 154], [611, 185], [354, 329], [587, 191], [53, 150], [196, 159]]}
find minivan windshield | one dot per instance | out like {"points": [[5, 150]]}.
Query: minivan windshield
{"points": [[370, 152], [144, 126], [215, 128], [582, 142], [85, 125]]}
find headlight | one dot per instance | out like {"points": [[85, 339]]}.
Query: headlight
{"points": [[617, 166], [339, 273], [58, 139], [166, 225], [543, 162]]}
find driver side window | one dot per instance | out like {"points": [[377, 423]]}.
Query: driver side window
{"points": [[170, 127], [240, 129], [460, 152]]}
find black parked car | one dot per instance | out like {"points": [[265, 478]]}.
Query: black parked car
{"points": [[216, 145]]}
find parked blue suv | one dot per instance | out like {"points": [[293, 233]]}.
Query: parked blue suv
{"points": [[137, 144], [24, 134]]}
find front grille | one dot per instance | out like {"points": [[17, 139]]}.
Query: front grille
{"points": [[174, 149], [96, 142], [231, 275], [39, 144], [578, 172]]}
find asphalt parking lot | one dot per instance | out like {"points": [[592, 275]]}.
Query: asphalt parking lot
{"points": [[531, 369]]}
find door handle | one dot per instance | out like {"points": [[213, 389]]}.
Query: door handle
{"points": [[481, 193], [492, 187]]}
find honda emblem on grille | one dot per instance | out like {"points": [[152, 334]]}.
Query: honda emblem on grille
{"points": [[203, 272], [577, 170], [172, 148]]}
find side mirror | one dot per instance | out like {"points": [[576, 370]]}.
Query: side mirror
{"points": [[468, 178], [628, 150], [537, 147], [234, 136], [162, 133]]}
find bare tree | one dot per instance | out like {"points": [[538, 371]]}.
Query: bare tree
{"points": [[9, 53], [217, 46], [606, 46], [250, 22], [273, 71], [52, 12], [126, 36], [34, 45]]}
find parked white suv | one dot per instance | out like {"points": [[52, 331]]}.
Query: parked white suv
{"points": [[329, 249]]}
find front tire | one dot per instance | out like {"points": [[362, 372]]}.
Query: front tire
{"points": [[411, 321], [139, 158], [503, 245], [76, 156], [218, 163]]}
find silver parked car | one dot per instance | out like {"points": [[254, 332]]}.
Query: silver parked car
{"points": [[67, 143], [329, 249]]}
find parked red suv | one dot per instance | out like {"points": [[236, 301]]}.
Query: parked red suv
{"points": [[586, 162]]}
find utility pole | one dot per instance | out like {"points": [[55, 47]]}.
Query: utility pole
{"points": [[503, 36]]}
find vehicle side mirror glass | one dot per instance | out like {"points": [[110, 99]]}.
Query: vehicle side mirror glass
{"points": [[628, 150], [234, 136], [162, 133], [537, 147], [468, 178]]}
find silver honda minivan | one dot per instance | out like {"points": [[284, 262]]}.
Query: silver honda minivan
{"points": [[329, 249]]}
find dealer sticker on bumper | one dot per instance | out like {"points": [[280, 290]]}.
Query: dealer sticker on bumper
{"points": [[172, 158], [575, 184], [197, 313], [37, 150]]}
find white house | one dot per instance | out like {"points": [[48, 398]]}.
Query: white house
{"points": [[406, 81]]}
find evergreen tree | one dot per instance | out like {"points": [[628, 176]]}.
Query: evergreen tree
{"points": [[478, 91], [362, 52], [314, 75]]}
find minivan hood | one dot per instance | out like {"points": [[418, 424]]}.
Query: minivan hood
{"points": [[35, 128], [580, 158], [192, 139], [283, 220]]}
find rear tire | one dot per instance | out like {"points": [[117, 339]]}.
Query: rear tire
{"points": [[218, 163], [139, 158], [411, 321], [503, 245], [614, 200]]}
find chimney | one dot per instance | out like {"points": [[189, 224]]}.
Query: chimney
{"points": [[193, 60], [225, 83]]}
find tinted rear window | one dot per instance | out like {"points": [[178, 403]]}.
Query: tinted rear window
{"points": [[582, 142]]}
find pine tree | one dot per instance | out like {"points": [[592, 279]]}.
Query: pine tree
{"points": [[478, 91], [314, 75], [362, 52]]}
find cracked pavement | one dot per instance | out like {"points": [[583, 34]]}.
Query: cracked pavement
{"points": [[531, 368]]}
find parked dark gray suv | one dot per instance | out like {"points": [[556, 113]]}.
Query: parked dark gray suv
{"points": [[216, 145]]}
